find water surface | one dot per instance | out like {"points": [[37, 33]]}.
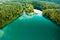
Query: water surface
{"points": [[31, 28]]}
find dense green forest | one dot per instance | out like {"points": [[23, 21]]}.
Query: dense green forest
{"points": [[55, 1], [42, 4], [29, 9], [11, 10], [52, 14]]}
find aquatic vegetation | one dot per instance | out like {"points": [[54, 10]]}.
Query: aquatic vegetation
{"points": [[52, 14]]}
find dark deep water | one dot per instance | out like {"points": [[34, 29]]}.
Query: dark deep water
{"points": [[31, 28]]}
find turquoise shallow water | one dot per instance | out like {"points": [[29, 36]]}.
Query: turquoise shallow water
{"points": [[31, 28]]}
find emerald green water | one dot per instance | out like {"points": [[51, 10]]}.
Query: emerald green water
{"points": [[31, 28]]}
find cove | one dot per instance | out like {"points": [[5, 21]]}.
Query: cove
{"points": [[34, 27]]}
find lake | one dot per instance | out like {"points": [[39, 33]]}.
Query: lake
{"points": [[34, 27]]}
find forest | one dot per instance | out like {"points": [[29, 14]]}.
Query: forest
{"points": [[11, 10], [52, 14], [8, 12]]}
